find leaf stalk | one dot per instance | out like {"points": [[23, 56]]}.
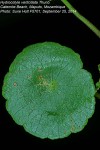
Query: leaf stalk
{"points": [[82, 18]]}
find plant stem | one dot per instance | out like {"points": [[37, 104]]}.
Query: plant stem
{"points": [[82, 18]]}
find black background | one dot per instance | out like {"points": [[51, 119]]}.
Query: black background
{"points": [[19, 31]]}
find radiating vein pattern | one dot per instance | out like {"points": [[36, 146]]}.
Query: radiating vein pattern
{"points": [[48, 92]]}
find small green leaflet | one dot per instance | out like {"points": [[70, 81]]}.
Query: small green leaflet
{"points": [[48, 92], [97, 95], [98, 83]]}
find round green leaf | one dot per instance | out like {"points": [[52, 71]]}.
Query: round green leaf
{"points": [[48, 92]]}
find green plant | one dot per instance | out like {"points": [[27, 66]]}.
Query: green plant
{"points": [[48, 92], [82, 18]]}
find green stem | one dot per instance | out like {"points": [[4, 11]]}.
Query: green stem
{"points": [[82, 18]]}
